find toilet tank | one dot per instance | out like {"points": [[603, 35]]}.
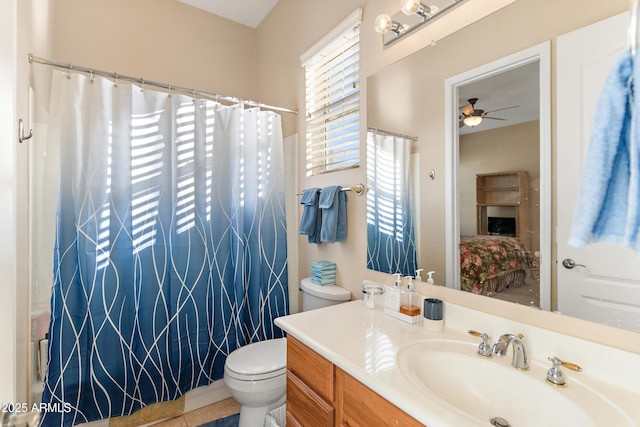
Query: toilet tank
{"points": [[318, 296]]}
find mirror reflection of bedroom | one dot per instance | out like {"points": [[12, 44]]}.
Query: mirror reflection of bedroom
{"points": [[498, 182]]}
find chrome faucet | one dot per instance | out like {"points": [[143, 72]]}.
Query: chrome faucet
{"points": [[501, 346]]}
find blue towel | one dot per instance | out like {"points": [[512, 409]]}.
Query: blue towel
{"points": [[311, 221], [333, 203], [603, 211], [633, 211]]}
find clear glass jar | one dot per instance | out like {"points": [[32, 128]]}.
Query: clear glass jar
{"points": [[372, 295]]}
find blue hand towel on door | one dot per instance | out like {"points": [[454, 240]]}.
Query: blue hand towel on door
{"points": [[333, 203], [601, 214], [310, 222], [633, 210]]}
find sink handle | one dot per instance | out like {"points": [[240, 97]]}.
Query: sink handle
{"points": [[555, 376], [484, 349], [567, 365]]}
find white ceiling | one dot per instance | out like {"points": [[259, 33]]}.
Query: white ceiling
{"points": [[247, 12], [515, 87]]}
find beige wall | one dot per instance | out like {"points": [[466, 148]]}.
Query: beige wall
{"points": [[161, 40], [509, 148], [34, 34]]}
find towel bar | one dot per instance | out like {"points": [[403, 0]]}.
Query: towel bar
{"points": [[359, 189]]}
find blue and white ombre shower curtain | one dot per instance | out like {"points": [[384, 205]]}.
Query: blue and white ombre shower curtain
{"points": [[170, 249], [391, 245]]}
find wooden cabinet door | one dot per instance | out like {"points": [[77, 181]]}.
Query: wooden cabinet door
{"points": [[314, 370], [359, 406]]}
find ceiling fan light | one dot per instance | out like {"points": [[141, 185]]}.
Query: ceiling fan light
{"points": [[472, 121]]}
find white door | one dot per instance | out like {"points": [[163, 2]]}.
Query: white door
{"points": [[604, 286]]}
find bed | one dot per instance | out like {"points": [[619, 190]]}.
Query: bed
{"points": [[490, 264]]}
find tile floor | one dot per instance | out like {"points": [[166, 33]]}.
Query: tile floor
{"points": [[200, 416]]}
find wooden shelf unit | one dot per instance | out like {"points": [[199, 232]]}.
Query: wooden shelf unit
{"points": [[506, 191]]}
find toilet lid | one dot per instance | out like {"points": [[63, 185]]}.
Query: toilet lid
{"points": [[264, 358]]}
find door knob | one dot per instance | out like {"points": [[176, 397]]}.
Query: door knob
{"points": [[569, 264]]}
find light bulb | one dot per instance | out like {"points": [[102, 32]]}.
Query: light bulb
{"points": [[410, 7], [415, 7], [382, 23]]}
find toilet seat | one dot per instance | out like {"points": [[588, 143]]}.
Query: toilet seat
{"points": [[258, 361]]}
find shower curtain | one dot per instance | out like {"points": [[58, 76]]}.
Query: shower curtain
{"points": [[170, 247], [391, 246]]}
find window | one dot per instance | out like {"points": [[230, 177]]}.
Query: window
{"points": [[332, 70]]}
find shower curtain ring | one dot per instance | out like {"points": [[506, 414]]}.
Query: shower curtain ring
{"points": [[141, 84], [69, 71], [115, 79], [169, 90], [194, 96], [91, 75]]}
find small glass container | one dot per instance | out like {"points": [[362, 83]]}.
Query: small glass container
{"points": [[372, 296]]}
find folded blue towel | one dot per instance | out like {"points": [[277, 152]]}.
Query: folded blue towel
{"points": [[602, 212], [333, 203], [311, 222]]}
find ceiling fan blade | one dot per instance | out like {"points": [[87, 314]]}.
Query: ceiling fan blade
{"points": [[500, 109], [494, 118]]}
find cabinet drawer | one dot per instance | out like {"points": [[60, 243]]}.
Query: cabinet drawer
{"points": [[314, 370], [362, 407], [305, 407]]}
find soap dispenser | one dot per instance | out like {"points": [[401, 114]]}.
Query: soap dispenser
{"points": [[409, 304], [418, 275], [393, 294], [430, 277]]}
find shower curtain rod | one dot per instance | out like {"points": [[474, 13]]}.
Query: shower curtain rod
{"points": [[169, 87], [386, 132]]}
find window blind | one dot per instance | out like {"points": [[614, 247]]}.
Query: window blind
{"points": [[332, 76]]}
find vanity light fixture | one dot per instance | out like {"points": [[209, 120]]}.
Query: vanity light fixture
{"points": [[383, 24], [472, 120], [414, 15], [415, 7]]}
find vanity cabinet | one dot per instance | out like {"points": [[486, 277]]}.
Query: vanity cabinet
{"points": [[321, 394], [310, 387]]}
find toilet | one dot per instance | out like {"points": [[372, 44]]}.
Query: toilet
{"points": [[256, 373]]}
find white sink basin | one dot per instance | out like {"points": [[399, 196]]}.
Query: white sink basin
{"points": [[482, 389]]}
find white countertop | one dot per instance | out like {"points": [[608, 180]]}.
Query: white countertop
{"points": [[364, 343]]}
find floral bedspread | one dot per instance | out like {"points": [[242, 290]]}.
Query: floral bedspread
{"points": [[483, 258]]}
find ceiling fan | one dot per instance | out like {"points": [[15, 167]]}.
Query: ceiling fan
{"points": [[472, 117]]}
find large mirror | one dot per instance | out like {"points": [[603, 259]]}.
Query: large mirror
{"points": [[493, 72]]}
